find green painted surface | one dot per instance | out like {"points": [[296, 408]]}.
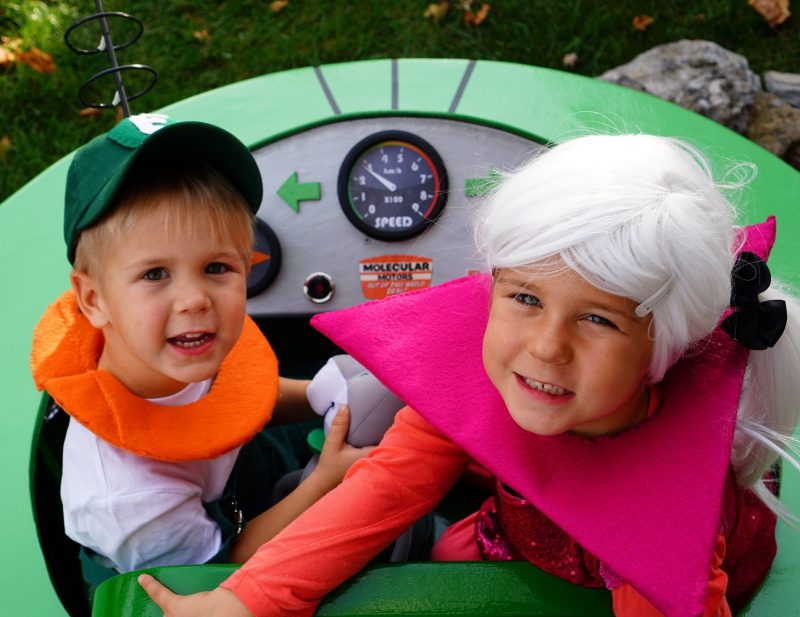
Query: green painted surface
{"points": [[293, 192], [428, 85], [365, 89], [260, 109], [483, 185], [536, 102], [30, 230], [415, 590]]}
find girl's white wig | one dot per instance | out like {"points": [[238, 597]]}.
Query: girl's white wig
{"points": [[638, 216], [642, 217]]}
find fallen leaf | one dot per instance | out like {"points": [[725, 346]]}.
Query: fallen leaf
{"points": [[8, 51], [6, 57], [278, 5], [476, 18], [201, 35], [569, 60], [775, 12], [436, 11], [5, 146], [38, 60], [90, 112], [641, 22], [11, 44]]}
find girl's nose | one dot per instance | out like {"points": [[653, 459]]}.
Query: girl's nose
{"points": [[550, 343]]}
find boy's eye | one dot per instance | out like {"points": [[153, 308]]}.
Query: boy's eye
{"points": [[154, 274], [600, 321], [217, 268], [526, 299]]}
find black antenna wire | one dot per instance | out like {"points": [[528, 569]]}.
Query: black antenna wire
{"points": [[120, 98]]}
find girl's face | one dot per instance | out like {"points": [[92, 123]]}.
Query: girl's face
{"points": [[564, 355]]}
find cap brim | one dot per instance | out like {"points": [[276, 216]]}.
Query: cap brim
{"points": [[217, 147]]}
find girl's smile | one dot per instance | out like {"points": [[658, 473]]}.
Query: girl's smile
{"points": [[545, 392], [564, 355]]}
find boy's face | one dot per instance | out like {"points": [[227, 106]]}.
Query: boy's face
{"points": [[170, 305], [564, 355]]}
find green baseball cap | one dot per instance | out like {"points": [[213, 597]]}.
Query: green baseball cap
{"points": [[98, 168]]}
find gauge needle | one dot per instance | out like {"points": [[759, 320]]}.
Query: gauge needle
{"points": [[388, 184]]}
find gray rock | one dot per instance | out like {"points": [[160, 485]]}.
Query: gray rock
{"points": [[774, 124], [784, 85], [699, 75], [793, 156]]}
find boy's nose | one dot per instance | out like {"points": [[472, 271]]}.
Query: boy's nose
{"points": [[192, 297]]}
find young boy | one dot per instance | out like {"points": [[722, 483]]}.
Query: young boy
{"points": [[153, 357]]}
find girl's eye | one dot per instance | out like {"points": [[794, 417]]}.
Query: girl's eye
{"points": [[217, 268], [155, 274], [526, 299], [600, 321]]}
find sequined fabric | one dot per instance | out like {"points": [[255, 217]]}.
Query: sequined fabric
{"points": [[510, 527], [749, 528]]}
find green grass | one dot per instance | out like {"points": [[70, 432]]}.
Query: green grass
{"points": [[39, 112]]}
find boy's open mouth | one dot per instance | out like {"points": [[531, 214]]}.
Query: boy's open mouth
{"points": [[546, 387], [191, 339]]}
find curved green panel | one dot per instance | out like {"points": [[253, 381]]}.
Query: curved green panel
{"points": [[539, 103], [262, 108], [360, 91], [30, 238], [412, 590], [429, 85]]}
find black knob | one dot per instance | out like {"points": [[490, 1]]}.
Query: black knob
{"points": [[319, 287]]}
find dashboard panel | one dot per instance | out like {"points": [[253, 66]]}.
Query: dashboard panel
{"points": [[367, 208]]}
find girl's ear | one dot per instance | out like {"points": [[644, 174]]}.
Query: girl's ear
{"points": [[90, 301]]}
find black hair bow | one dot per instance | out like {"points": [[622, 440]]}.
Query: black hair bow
{"points": [[753, 324]]}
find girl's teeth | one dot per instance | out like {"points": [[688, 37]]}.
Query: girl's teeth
{"points": [[545, 387]]}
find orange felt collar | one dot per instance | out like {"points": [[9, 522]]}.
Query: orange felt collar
{"points": [[64, 362]]}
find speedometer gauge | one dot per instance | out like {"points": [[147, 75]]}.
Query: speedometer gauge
{"points": [[392, 185]]}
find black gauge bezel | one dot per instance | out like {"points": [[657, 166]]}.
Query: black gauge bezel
{"points": [[271, 267], [345, 174]]}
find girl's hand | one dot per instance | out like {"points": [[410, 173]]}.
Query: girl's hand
{"points": [[337, 455], [217, 603]]}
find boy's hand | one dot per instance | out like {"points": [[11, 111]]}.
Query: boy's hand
{"points": [[217, 603], [337, 455]]}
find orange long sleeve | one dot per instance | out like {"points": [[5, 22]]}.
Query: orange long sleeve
{"points": [[628, 602], [401, 480]]}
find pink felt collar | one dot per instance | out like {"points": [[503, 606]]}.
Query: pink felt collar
{"points": [[626, 498]]}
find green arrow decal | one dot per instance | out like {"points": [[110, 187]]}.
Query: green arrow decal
{"points": [[293, 192], [475, 187]]}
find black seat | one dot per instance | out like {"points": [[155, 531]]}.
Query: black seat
{"points": [[60, 552]]}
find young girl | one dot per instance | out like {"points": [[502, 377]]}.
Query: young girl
{"points": [[603, 374]]}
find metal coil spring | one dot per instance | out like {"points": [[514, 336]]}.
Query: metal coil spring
{"points": [[121, 98]]}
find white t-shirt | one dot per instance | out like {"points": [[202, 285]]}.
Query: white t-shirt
{"points": [[138, 512]]}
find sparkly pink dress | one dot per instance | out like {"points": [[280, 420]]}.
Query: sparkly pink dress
{"points": [[510, 527]]}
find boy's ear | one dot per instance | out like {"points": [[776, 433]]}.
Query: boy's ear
{"points": [[89, 298]]}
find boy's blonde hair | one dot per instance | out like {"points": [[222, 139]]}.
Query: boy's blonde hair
{"points": [[200, 200]]}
